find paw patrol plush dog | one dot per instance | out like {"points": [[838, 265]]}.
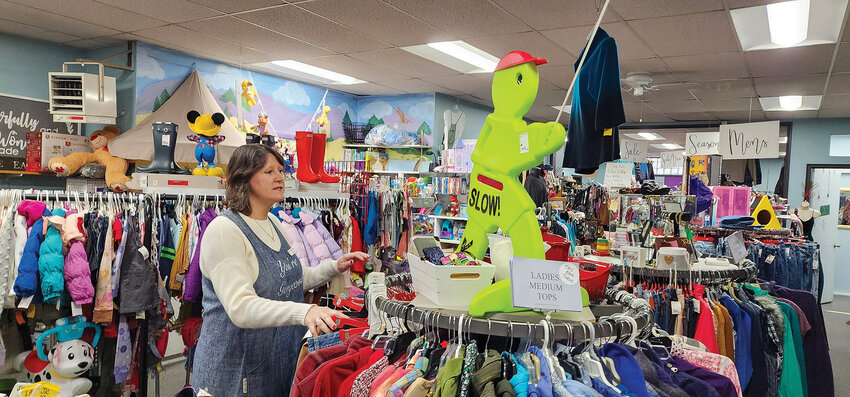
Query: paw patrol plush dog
{"points": [[206, 128]]}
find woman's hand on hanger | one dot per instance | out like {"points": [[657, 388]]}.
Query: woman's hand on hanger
{"points": [[347, 260], [320, 319]]}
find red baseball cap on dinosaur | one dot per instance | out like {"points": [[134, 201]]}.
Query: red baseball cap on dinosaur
{"points": [[518, 57]]}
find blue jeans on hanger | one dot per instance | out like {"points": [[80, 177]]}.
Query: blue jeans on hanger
{"points": [[323, 341]]}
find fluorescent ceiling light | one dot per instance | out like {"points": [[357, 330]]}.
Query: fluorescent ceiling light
{"points": [[783, 139], [788, 22], [457, 55], [315, 71], [790, 103], [650, 136], [668, 146]]}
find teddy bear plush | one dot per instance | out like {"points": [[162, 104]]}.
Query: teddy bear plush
{"points": [[116, 167]]}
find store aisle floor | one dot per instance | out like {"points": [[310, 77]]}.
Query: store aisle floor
{"points": [[836, 314]]}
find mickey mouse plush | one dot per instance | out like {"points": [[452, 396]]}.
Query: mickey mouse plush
{"points": [[206, 128]]}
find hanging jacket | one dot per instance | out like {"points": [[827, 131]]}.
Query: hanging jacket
{"points": [[167, 243], [319, 240], [77, 272], [181, 255], [192, 286], [26, 284], [357, 246], [7, 258], [51, 262], [370, 232], [138, 279], [291, 233], [20, 243]]}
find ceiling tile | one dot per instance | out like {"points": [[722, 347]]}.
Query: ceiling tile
{"points": [[551, 97], [803, 114], [417, 86], [574, 39], [258, 38], [730, 105], [401, 61], [553, 14], [835, 102], [380, 20], [178, 10], [691, 116], [668, 107], [312, 28], [790, 85], [839, 83], [666, 93], [704, 67], [355, 68], [230, 6], [724, 89], [636, 112], [654, 66], [98, 13], [559, 75], [463, 83], [35, 17], [733, 4], [34, 31], [531, 42], [756, 115], [692, 34], [834, 112], [842, 60], [640, 9], [370, 89], [86, 43], [179, 36], [454, 16], [789, 61]]}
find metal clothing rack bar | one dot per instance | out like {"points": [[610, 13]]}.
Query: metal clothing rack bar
{"points": [[723, 232], [747, 273], [604, 327]]}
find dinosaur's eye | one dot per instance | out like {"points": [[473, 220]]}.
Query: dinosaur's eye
{"points": [[519, 78]]}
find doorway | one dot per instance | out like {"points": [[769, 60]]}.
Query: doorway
{"points": [[826, 182]]}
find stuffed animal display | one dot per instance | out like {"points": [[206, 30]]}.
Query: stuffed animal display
{"points": [[116, 167], [206, 128], [249, 93]]}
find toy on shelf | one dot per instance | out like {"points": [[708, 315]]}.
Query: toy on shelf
{"points": [[412, 189], [69, 359], [164, 144], [206, 128], [249, 93], [446, 230], [455, 206], [116, 167], [262, 122]]}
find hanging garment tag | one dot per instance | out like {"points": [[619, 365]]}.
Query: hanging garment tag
{"points": [[166, 140], [769, 260], [676, 307], [608, 132], [696, 306], [787, 251], [523, 142], [25, 302], [76, 310], [140, 315], [291, 251]]}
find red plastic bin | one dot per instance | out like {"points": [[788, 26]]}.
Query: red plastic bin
{"points": [[593, 277], [560, 247]]}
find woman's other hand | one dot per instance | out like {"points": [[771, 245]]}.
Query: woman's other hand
{"points": [[345, 262], [320, 319]]}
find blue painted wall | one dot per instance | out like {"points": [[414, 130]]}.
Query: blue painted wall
{"points": [[810, 145], [26, 62]]}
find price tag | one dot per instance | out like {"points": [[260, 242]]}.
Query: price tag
{"points": [[769, 260], [523, 142], [787, 251], [696, 306], [545, 285], [737, 246], [166, 140], [140, 315], [25, 302], [76, 310], [676, 307]]}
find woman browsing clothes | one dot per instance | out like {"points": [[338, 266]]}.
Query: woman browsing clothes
{"points": [[253, 286]]}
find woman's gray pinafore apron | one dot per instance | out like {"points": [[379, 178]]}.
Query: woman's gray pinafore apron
{"points": [[233, 361]]}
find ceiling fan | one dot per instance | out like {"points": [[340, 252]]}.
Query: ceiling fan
{"points": [[637, 83]]}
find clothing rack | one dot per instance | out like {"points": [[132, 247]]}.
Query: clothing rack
{"points": [[744, 274], [755, 234], [607, 326]]}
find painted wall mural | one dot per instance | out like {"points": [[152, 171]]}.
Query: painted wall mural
{"points": [[289, 104]]}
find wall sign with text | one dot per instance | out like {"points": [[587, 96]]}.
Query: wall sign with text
{"points": [[749, 140], [19, 115], [633, 150]]}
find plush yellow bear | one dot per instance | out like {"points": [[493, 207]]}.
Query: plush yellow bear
{"points": [[116, 167]]}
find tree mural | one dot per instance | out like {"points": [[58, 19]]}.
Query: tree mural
{"points": [[228, 97], [424, 129], [163, 96]]}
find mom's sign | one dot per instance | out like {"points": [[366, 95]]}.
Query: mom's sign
{"points": [[749, 140]]}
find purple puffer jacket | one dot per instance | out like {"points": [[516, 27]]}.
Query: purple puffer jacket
{"points": [[292, 234], [318, 238], [77, 272], [192, 285]]}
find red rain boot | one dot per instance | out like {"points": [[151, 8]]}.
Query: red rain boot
{"points": [[303, 149], [317, 160]]}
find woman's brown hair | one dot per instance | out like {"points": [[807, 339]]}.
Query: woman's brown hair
{"points": [[246, 161]]}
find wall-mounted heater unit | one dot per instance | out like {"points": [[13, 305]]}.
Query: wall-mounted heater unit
{"points": [[82, 97]]}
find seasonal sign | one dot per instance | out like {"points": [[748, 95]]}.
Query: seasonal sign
{"points": [[618, 174], [749, 140], [702, 143], [672, 160], [545, 285], [19, 115], [633, 150]]}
